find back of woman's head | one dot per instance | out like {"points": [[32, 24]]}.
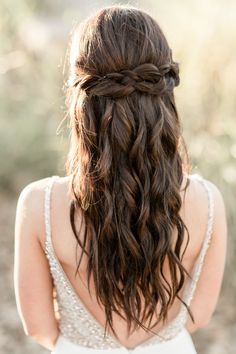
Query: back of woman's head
{"points": [[125, 161]]}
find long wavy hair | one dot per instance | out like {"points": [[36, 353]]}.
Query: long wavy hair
{"points": [[127, 160]]}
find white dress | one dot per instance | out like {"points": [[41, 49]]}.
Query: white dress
{"points": [[81, 333]]}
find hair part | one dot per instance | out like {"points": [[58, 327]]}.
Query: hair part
{"points": [[127, 159]]}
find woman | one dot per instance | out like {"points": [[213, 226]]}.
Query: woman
{"points": [[127, 251]]}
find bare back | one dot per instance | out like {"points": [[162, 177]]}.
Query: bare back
{"points": [[194, 213]]}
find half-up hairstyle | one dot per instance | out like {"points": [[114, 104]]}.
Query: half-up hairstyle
{"points": [[127, 163]]}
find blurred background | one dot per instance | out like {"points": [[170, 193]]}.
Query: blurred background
{"points": [[34, 37]]}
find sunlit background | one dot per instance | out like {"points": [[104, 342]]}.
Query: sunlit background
{"points": [[34, 37]]}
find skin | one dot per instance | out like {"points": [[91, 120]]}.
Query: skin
{"points": [[33, 282]]}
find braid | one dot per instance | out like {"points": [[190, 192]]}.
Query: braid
{"points": [[145, 78]]}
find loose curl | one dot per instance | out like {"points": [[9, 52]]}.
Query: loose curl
{"points": [[127, 163]]}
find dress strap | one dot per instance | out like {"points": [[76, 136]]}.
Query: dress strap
{"points": [[47, 208], [199, 262]]}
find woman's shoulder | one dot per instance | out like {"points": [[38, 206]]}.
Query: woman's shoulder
{"points": [[202, 196], [35, 190], [31, 196], [199, 185], [30, 203]]}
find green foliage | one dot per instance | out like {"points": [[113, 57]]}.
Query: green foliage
{"points": [[32, 98]]}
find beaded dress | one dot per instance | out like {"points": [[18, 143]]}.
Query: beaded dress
{"points": [[81, 333]]}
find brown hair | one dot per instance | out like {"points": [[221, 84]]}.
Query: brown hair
{"points": [[126, 162]]}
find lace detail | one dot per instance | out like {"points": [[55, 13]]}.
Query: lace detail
{"points": [[78, 325]]}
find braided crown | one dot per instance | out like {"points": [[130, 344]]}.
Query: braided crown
{"points": [[146, 78]]}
